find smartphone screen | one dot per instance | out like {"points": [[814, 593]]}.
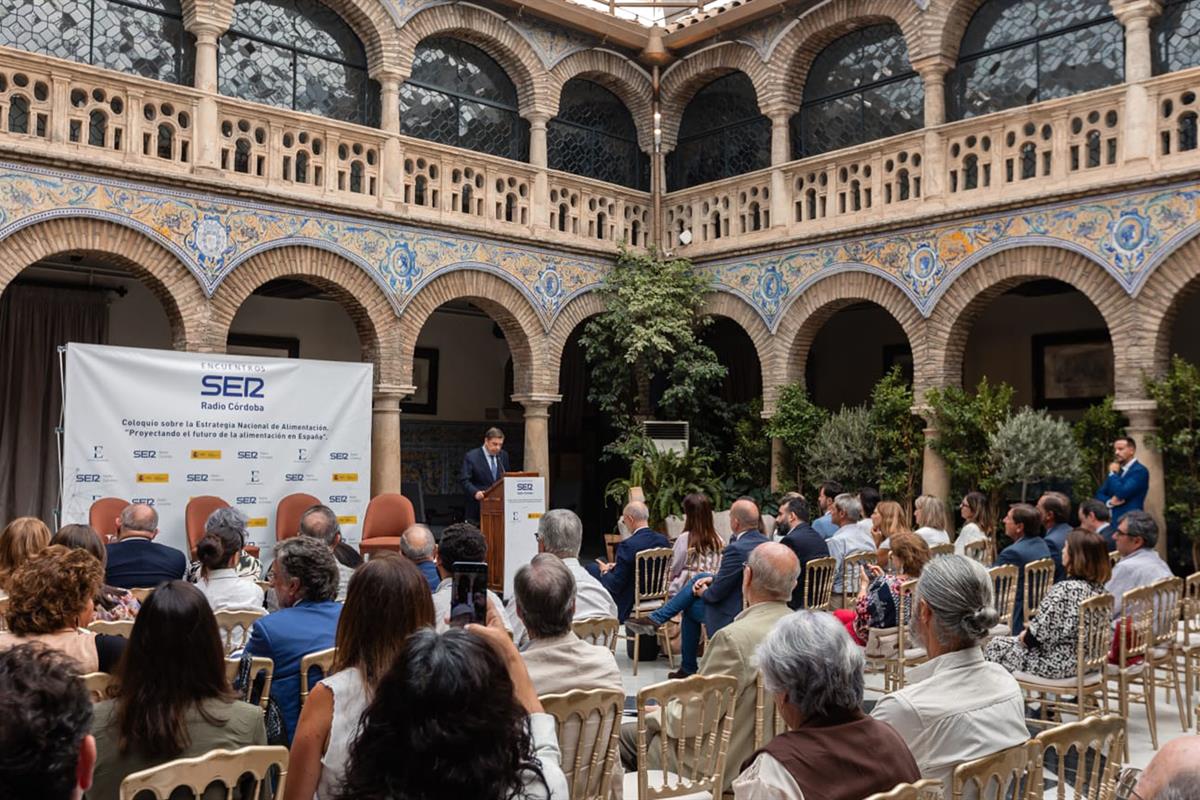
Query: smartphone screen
{"points": [[469, 593]]}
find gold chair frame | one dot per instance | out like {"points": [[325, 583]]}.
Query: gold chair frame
{"points": [[322, 660], [1103, 737], [1137, 633], [229, 622], [116, 627], [979, 551], [1189, 649], [141, 593], [944, 549], [928, 789], [1039, 577], [1004, 582], [1168, 606], [651, 577], [778, 725], [818, 583], [1092, 643], [267, 765], [258, 664], [1011, 768], [852, 566], [591, 780], [894, 666], [602, 631], [101, 686]]}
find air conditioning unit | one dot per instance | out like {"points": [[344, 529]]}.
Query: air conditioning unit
{"points": [[667, 436]]}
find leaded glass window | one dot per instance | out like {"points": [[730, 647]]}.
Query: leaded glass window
{"points": [[1016, 52], [139, 37], [721, 134], [297, 54], [1177, 36], [594, 135], [859, 88], [458, 95]]}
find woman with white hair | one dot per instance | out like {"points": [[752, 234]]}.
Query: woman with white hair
{"points": [[246, 565], [831, 750], [956, 707]]}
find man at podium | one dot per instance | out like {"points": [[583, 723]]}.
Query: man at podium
{"points": [[481, 467]]}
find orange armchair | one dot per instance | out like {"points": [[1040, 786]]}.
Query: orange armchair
{"points": [[102, 516], [388, 516], [288, 513], [196, 514]]}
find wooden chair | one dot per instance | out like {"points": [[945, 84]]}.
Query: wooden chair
{"points": [[235, 627], [1168, 602], [589, 724], [904, 656], [1004, 581], [928, 789], [321, 661], [1136, 635], [255, 770], [946, 549], [761, 714], [852, 566], [1187, 643], [1096, 743], [818, 583], [1039, 577], [603, 631], [979, 551], [1092, 643], [651, 577], [116, 627], [100, 685], [1113, 557], [3, 613], [259, 665], [705, 704], [1010, 774], [142, 592], [611, 540]]}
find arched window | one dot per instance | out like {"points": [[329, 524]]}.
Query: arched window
{"points": [[458, 95], [1177, 36], [859, 88], [140, 37], [1016, 52], [297, 54], [594, 135], [721, 134]]}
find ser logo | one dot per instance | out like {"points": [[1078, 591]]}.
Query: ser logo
{"points": [[339, 456], [524, 486], [142, 501], [145, 454], [232, 386], [87, 477], [197, 477], [339, 498], [293, 477], [247, 454], [246, 501]]}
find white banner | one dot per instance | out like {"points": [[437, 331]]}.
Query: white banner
{"points": [[161, 426], [524, 505]]}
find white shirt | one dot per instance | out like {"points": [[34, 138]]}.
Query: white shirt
{"points": [[969, 534], [441, 605], [852, 538], [344, 575], [766, 779], [591, 600], [225, 590], [958, 708], [1140, 568], [349, 703], [933, 536]]}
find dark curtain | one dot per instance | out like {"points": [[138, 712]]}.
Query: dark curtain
{"points": [[34, 321]]}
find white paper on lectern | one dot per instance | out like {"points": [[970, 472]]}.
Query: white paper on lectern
{"points": [[524, 505]]}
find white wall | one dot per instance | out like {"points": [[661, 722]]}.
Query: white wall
{"points": [[323, 327], [470, 367]]}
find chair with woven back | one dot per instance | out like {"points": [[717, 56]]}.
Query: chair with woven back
{"points": [[1135, 633], [768, 722], [235, 627], [905, 655], [818, 583], [100, 686], [691, 763], [651, 577], [320, 662], [603, 631], [1187, 642], [928, 789], [1092, 643], [1004, 581], [259, 665], [1039, 577], [258, 772], [1168, 605], [1087, 755], [1010, 774], [116, 627], [852, 566], [589, 724]]}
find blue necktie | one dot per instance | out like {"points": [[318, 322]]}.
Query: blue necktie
{"points": [[492, 459]]}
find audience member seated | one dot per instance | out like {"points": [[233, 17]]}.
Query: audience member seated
{"points": [[51, 601], [135, 560], [879, 595], [1140, 565], [850, 537], [933, 526], [698, 548], [781, 526], [173, 699], [560, 533], [1047, 648], [461, 541], [824, 524], [1173, 773], [977, 516], [1023, 525], [1055, 508], [472, 724], [418, 546], [869, 498], [956, 707], [618, 576], [218, 553], [20, 539], [319, 522], [831, 750], [768, 579], [888, 520], [305, 581], [246, 565], [111, 603], [388, 600], [1096, 517], [712, 600], [803, 540], [46, 749]]}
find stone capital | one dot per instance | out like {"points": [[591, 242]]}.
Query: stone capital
{"points": [[536, 405], [1131, 12], [779, 110], [933, 67], [1141, 413], [383, 392], [207, 16]]}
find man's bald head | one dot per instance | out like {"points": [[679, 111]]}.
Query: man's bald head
{"points": [[1176, 764], [139, 519], [772, 575], [638, 513], [744, 514], [417, 543]]}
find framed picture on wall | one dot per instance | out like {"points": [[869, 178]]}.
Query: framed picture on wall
{"points": [[425, 378], [249, 344], [1071, 370]]}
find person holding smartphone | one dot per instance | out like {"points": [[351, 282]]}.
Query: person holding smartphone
{"points": [[879, 592], [462, 552]]}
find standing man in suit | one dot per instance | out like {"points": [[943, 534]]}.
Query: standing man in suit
{"points": [[135, 560], [481, 467], [1022, 524], [1128, 481], [805, 542], [618, 577]]}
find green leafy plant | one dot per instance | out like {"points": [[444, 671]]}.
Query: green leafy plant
{"points": [[847, 450], [1095, 433], [797, 422], [965, 422], [1031, 447], [748, 460], [900, 437], [1177, 395], [665, 478]]}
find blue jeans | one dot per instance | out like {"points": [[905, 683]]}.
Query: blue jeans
{"points": [[692, 608]]}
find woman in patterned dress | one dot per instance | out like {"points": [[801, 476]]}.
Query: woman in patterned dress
{"points": [[1046, 648], [878, 595]]}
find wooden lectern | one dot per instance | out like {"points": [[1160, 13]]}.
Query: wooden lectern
{"points": [[491, 522]]}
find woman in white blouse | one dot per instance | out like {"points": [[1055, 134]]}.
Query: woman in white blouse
{"points": [[977, 515], [218, 553], [930, 515]]}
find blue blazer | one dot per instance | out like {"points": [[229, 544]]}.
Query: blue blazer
{"points": [[1056, 540], [476, 476], [286, 636], [724, 594], [430, 571], [807, 544], [1131, 487], [141, 563], [619, 579], [1031, 548]]}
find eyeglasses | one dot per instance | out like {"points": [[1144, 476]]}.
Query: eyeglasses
{"points": [[1127, 780]]}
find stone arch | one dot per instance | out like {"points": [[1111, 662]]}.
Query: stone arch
{"points": [[492, 34], [504, 303], [1172, 282], [617, 74], [733, 307], [176, 288], [684, 78], [813, 31], [369, 308], [577, 311], [974, 288], [945, 23]]}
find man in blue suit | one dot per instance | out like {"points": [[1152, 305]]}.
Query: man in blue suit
{"points": [[1055, 508], [481, 467], [805, 542], [1128, 481], [618, 577], [1023, 525], [135, 560]]}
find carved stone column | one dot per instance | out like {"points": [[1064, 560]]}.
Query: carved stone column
{"points": [[207, 131], [385, 437], [392, 166], [1142, 427], [537, 432], [935, 477], [1136, 16], [781, 153], [538, 159], [933, 74]]}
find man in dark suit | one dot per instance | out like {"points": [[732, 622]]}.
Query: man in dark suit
{"points": [[1096, 517], [1055, 508], [618, 577], [1125, 488], [135, 559], [805, 542], [1023, 525], [481, 467]]}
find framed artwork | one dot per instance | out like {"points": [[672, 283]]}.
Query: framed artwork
{"points": [[248, 344], [425, 378], [1072, 370]]}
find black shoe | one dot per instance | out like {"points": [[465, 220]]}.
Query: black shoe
{"points": [[678, 675], [642, 625]]}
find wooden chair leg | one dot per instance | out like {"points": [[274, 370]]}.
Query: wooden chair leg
{"points": [[1184, 722], [1150, 685], [637, 652]]}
